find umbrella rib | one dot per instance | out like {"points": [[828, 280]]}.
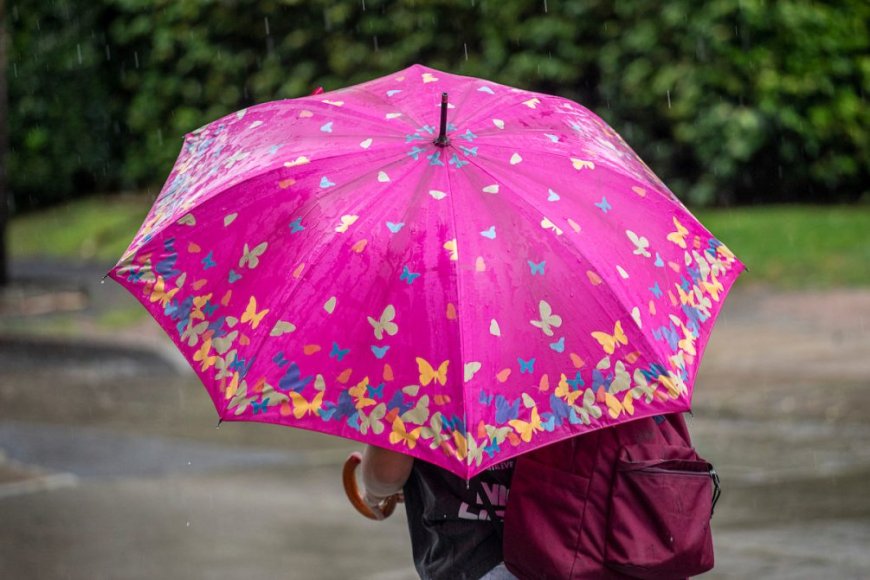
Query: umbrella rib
{"points": [[574, 251], [460, 317]]}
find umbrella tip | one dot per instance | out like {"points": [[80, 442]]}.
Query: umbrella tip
{"points": [[442, 140]]}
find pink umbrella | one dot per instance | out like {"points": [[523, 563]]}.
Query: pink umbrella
{"points": [[336, 263]]}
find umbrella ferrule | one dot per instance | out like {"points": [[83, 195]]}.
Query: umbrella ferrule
{"points": [[442, 140]]}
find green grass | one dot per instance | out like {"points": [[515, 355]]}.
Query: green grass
{"points": [[797, 246], [96, 228], [784, 246]]}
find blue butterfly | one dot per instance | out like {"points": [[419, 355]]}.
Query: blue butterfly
{"points": [[413, 137], [408, 276], [685, 284], [435, 159], [562, 411], [526, 366], [279, 359], [380, 351], [135, 276], [242, 366], [667, 334], [659, 263], [655, 371], [454, 423], [217, 326], [505, 411], [392, 92], [208, 261], [260, 407], [559, 345], [296, 225], [469, 150], [233, 277], [293, 379], [338, 353], [600, 379], [325, 183], [166, 267], [484, 398], [694, 273], [395, 227], [326, 127], [344, 408], [576, 382], [429, 129], [537, 268], [181, 311], [492, 449], [353, 421], [398, 402], [549, 423], [604, 205], [656, 290], [209, 308], [375, 392], [469, 136], [415, 152], [457, 162]]}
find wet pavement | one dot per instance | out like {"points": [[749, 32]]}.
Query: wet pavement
{"points": [[111, 465]]}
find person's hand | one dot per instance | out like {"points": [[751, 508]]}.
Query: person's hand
{"points": [[376, 503]]}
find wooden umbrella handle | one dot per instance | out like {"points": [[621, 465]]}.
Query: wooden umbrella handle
{"points": [[352, 490]]}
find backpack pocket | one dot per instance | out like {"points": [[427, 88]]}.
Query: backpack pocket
{"points": [[659, 521], [543, 520]]}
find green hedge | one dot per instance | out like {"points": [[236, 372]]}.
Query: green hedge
{"points": [[728, 101]]}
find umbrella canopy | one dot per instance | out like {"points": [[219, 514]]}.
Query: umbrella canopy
{"points": [[329, 263]]}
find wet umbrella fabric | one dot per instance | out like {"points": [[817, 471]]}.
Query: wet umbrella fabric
{"points": [[322, 263]]}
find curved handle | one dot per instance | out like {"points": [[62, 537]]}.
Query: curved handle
{"points": [[348, 476]]}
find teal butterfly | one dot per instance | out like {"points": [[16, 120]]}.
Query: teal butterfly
{"points": [[296, 225], [537, 269], [409, 276], [604, 205], [338, 353], [380, 351], [261, 407], [527, 366]]}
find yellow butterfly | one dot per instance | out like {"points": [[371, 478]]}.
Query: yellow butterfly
{"points": [[548, 320], [610, 342], [450, 246], [251, 315], [563, 391], [202, 355], [678, 237], [360, 393], [373, 421], [687, 343], [549, 225], [400, 434], [419, 413], [615, 407], [251, 258], [429, 374], [346, 222], [302, 406], [158, 292], [385, 323], [525, 429], [713, 288]]}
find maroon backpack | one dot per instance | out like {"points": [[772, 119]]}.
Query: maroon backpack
{"points": [[630, 501]]}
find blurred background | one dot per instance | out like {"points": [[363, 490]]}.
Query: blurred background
{"points": [[753, 112]]}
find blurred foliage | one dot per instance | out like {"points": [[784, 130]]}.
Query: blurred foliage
{"points": [[729, 101]]}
